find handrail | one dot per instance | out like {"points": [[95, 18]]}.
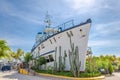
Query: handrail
{"points": [[64, 24]]}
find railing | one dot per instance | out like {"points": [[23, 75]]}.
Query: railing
{"points": [[65, 25], [60, 27]]}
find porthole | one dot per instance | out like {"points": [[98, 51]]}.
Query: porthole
{"points": [[80, 30]]}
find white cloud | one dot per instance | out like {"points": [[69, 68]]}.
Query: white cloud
{"points": [[106, 29], [105, 47], [17, 41], [81, 4], [104, 43], [88, 6], [9, 9], [105, 35]]}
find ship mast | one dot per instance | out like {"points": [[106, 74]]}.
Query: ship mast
{"points": [[47, 20], [48, 29]]}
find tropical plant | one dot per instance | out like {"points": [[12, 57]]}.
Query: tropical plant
{"points": [[40, 61], [110, 68], [74, 58], [27, 57], [61, 66], [55, 62], [4, 49], [17, 55]]}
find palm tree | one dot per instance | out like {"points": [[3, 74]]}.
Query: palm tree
{"points": [[17, 55], [28, 57], [4, 49]]}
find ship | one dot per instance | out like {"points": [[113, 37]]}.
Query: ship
{"points": [[56, 42]]}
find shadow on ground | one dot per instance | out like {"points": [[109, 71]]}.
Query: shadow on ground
{"points": [[16, 76]]}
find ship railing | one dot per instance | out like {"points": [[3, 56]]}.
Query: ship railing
{"points": [[60, 28], [65, 25]]}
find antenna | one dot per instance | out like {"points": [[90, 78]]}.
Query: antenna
{"points": [[47, 20]]}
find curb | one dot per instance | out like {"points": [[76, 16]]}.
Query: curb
{"points": [[65, 77], [89, 78]]}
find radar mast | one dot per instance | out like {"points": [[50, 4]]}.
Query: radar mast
{"points": [[47, 20]]}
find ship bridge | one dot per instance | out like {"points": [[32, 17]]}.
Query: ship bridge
{"points": [[50, 31]]}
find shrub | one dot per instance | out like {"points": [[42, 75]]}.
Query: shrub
{"points": [[40, 61], [92, 74], [68, 73], [119, 67], [110, 68]]}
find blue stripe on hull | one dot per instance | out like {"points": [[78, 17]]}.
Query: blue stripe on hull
{"points": [[47, 53]]}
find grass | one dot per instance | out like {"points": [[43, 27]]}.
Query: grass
{"points": [[69, 74]]}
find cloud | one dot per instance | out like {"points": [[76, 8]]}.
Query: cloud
{"points": [[105, 47], [88, 6], [104, 38], [18, 42], [104, 43], [11, 10], [81, 4], [106, 29]]}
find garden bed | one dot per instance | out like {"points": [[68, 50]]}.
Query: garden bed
{"points": [[68, 75]]}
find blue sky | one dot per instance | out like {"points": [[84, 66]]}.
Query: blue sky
{"points": [[20, 20]]}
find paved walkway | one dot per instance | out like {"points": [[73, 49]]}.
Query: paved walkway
{"points": [[115, 76], [13, 75]]}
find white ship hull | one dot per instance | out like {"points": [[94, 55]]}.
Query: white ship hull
{"points": [[79, 36]]}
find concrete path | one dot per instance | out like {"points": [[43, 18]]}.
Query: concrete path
{"points": [[13, 75], [115, 76]]}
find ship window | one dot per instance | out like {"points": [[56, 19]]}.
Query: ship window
{"points": [[50, 41], [83, 35], [51, 58], [47, 59], [54, 39], [71, 33]]}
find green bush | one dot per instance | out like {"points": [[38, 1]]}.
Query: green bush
{"points": [[92, 74], [41, 60], [110, 68], [119, 67], [69, 74]]}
